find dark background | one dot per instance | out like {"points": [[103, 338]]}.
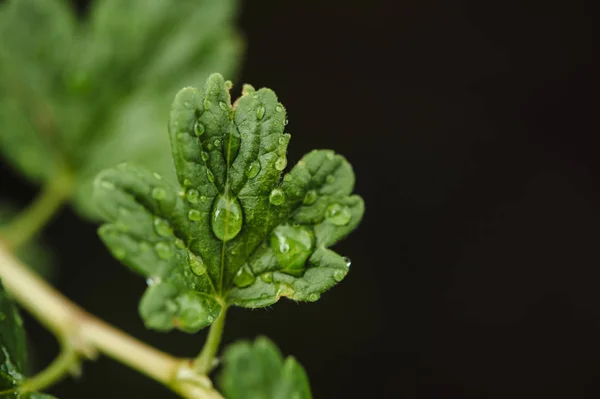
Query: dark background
{"points": [[471, 126]]}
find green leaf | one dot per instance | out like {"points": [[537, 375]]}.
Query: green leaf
{"points": [[13, 351], [257, 370], [233, 231], [85, 95]]}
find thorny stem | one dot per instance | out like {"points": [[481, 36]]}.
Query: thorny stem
{"points": [[204, 362], [88, 335], [25, 225]]}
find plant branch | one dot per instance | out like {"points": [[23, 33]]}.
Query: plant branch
{"points": [[204, 362], [27, 223], [88, 335]]}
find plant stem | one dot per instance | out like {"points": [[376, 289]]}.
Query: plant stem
{"points": [[87, 335], [204, 362], [64, 364], [27, 223]]}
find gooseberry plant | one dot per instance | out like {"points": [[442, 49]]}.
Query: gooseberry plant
{"points": [[231, 229]]}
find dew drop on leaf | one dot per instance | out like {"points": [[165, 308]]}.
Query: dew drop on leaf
{"points": [[192, 196], [338, 214], [253, 170], [279, 108], [244, 277], [163, 250], [339, 275], [210, 176], [199, 128], [217, 142], [281, 163], [194, 215], [292, 246], [226, 217], [159, 193], [204, 156], [284, 289], [314, 297], [206, 103], [150, 281], [348, 261], [277, 197], [267, 277], [260, 112], [222, 105], [197, 265], [161, 227], [310, 197]]}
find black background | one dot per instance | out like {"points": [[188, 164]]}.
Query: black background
{"points": [[471, 128]]}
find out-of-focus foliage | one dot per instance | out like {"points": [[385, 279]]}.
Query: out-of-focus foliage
{"points": [[258, 370], [13, 351], [83, 94]]}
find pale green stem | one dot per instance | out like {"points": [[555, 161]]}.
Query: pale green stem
{"points": [[204, 362], [31, 220], [87, 335], [64, 364]]}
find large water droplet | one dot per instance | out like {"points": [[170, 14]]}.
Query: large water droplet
{"points": [[199, 128], [244, 277], [267, 277], [161, 227], [197, 265], [226, 217], [310, 197], [253, 170], [192, 195], [194, 215], [277, 197], [284, 289], [163, 250], [210, 176], [292, 245], [281, 163], [338, 214], [260, 112]]}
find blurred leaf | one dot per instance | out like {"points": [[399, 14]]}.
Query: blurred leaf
{"points": [[258, 371], [90, 94], [33, 253], [233, 231], [12, 350]]}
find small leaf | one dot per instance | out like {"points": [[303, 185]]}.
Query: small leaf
{"points": [[13, 351], [258, 370], [83, 95], [233, 231]]}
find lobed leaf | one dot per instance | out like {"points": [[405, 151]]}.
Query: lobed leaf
{"points": [[258, 370], [233, 231]]}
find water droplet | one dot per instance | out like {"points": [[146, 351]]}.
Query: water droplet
{"points": [[285, 122], [338, 214], [163, 250], [206, 103], [253, 170], [310, 197], [204, 155], [292, 246], [244, 277], [203, 198], [313, 297], [199, 128], [161, 227], [187, 182], [192, 195], [283, 140], [279, 108], [197, 265], [287, 178], [210, 176], [154, 280], [226, 217], [194, 215], [157, 176], [119, 253], [281, 163], [330, 179], [277, 197], [210, 318], [107, 185], [179, 244], [260, 112], [267, 277], [222, 105], [159, 193], [348, 261], [217, 142], [339, 275], [285, 290], [209, 147]]}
